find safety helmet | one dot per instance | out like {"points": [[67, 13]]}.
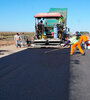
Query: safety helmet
{"points": [[78, 34]]}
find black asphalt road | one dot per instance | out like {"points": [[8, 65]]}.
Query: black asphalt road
{"points": [[35, 74], [80, 76]]}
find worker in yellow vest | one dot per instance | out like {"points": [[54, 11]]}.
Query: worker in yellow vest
{"points": [[74, 42]]}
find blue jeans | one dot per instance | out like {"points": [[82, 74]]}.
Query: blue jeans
{"points": [[18, 43], [23, 42]]}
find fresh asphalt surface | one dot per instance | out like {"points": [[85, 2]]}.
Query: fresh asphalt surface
{"points": [[45, 74], [80, 76], [35, 74]]}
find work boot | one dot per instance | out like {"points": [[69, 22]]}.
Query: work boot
{"points": [[83, 54]]}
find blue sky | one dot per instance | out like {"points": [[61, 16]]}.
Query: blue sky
{"points": [[18, 15]]}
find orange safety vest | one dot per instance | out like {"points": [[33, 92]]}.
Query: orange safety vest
{"points": [[83, 38]]}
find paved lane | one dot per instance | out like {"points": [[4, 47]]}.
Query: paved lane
{"points": [[35, 74], [80, 77]]}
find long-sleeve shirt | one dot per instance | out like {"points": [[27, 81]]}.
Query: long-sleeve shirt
{"points": [[71, 41], [66, 43]]}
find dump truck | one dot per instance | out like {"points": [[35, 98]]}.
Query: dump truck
{"points": [[51, 28]]}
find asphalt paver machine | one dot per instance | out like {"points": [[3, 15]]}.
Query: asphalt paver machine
{"points": [[50, 28]]}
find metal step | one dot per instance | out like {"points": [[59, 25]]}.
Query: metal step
{"points": [[47, 41], [44, 46]]}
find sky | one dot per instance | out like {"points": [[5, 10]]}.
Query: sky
{"points": [[18, 15]]}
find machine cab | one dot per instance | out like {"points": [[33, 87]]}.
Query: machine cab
{"points": [[49, 25]]}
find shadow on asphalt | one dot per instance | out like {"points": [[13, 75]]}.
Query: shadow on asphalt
{"points": [[35, 74], [75, 62]]}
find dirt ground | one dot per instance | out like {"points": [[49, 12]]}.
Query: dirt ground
{"points": [[6, 43], [8, 49]]}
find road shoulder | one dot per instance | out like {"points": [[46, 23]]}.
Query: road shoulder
{"points": [[7, 50]]}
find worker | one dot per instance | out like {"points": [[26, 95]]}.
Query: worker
{"points": [[17, 39], [83, 41], [74, 42], [61, 20], [24, 38], [83, 38], [41, 28]]}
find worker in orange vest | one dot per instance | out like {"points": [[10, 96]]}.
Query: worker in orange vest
{"points": [[83, 41], [83, 38]]}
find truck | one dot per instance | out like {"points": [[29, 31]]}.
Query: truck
{"points": [[51, 28]]}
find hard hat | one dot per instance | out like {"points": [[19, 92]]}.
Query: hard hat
{"points": [[79, 34]]}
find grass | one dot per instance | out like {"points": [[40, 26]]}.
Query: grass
{"points": [[10, 35]]}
